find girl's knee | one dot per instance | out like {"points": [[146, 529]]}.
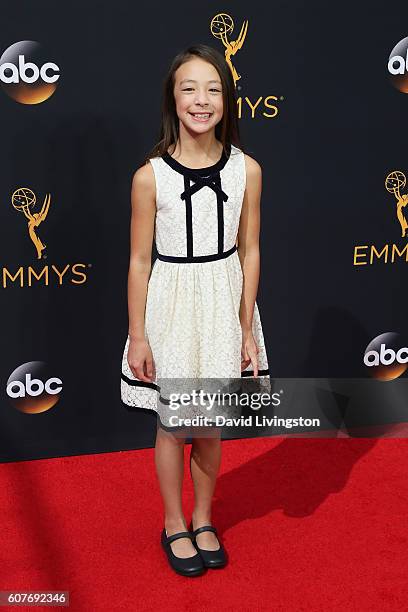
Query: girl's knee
{"points": [[177, 438]]}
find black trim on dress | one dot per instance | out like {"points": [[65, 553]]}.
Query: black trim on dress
{"points": [[251, 372], [197, 258], [201, 171], [139, 383], [201, 177], [142, 383]]}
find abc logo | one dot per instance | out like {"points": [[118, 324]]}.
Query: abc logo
{"points": [[398, 65], [26, 75], [386, 356], [32, 389]]}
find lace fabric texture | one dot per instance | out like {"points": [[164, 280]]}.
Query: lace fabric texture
{"points": [[192, 309]]}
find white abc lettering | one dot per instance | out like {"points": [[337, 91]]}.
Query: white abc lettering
{"points": [[400, 358], [20, 389], [386, 356], [23, 67], [402, 64], [21, 72], [44, 75], [383, 355], [371, 358], [29, 384], [51, 381], [9, 79]]}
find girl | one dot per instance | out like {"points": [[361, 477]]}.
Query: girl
{"points": [[194, 314]]}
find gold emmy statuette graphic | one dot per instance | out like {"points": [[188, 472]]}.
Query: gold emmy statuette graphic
{"points": [[394, 181], [222, 25], [22, 200]]}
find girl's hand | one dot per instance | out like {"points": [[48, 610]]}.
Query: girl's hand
{"points": [[140, 360], [249, 352]]}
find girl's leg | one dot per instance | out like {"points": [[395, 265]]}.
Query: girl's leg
{"points": [[169, 460], [205, 460]]}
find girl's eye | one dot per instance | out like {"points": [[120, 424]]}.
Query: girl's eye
{"points": [[212, 89]]}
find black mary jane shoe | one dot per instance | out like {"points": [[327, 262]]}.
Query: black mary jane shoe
{"points": [[189, 566], [211, 558]]}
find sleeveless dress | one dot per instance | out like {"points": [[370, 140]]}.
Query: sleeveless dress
{"points": [[194, 291]]}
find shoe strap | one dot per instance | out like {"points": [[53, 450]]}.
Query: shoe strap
{"points": [[176, 536], [204, 528]]}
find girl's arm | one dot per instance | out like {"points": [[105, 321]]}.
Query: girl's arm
{"points": [[143, 200], [248, 242]]}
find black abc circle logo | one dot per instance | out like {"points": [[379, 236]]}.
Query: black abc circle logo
{"points": [[26, 74], [32, 388], [386, 356]]}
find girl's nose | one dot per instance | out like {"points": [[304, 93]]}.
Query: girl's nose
{"points": [[202, 98]]}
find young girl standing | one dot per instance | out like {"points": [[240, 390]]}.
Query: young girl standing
{"points": [[194, 314]]}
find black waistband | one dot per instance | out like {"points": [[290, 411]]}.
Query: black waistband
{"points": [[197, 258]]}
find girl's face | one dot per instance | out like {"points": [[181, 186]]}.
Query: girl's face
{"points": [[198, 89]]}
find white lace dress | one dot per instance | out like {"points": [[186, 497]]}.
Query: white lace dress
{"points": [[194, 291]]}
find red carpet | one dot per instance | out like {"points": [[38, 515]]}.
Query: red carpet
{"points": [[309, 524]]}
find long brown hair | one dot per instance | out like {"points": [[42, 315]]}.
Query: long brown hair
{"points": [[226, 130]]}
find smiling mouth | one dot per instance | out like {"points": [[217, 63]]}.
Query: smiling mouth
{"points": [[201, 116]]}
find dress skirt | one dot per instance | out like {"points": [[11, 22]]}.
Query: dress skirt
{"points": [[193, 328]]}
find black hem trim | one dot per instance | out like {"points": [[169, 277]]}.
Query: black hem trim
{"points": [[251, 372], [155, 387], [139, 383]]}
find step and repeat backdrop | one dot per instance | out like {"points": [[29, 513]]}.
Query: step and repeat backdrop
{"points": [[322, 100]]}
